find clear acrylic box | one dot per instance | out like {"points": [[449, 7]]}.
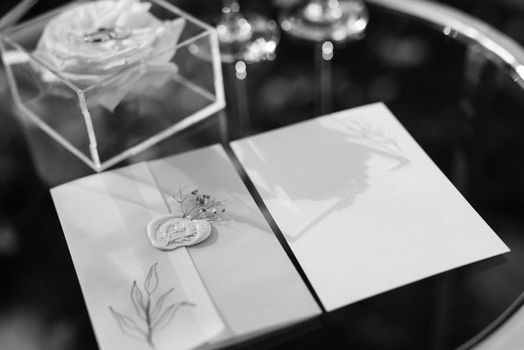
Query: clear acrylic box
{"points": [[143, 109]]}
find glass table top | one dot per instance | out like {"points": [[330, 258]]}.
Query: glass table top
{"points": [[463, 104]]}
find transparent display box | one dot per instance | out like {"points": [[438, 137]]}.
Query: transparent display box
{"points": [[104, 114]]}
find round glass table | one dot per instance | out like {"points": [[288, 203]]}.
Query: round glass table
{"points": [[454, 82]]}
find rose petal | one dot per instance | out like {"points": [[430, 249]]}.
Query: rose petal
{"points": [[166, 40], [136, 20], [148, 50]]}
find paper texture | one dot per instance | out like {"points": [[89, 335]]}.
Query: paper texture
{"points": [[240, 279], [246, 271], [104, 219], [362, 207]]}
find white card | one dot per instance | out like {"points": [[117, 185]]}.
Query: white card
{"points": [[104, 219], [240, 279], [361, 205]]}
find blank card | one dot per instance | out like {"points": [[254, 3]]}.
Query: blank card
{"points": [[362, 207]]}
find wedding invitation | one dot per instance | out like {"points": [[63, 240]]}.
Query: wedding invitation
{"points": [[362, 207], [136, 295], [236, 284]]}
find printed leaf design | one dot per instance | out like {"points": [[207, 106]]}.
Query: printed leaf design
{"points": [[138, 300], [152, 319], [127, 325], [159, 303], [151, 283], [166, 316]]}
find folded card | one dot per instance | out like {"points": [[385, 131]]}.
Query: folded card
{"points": [[362, 207], [236, 284], [136, 295]]}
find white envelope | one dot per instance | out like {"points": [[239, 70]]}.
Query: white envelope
{"points": [[104, 218], [361, 205], [240, 280]]}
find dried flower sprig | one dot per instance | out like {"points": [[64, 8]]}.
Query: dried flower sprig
{"points": [[153, 316], [198, 206]]}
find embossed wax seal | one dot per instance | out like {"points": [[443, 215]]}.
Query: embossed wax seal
{"points": [[170, 232]]}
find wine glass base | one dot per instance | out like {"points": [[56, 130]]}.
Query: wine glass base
{"points": [[319, 22], [260, 45]]}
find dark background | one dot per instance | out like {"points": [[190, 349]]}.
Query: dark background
{"points": [[41, 306]]}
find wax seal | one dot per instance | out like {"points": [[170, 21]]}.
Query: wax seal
{"points": [[169, 232]]}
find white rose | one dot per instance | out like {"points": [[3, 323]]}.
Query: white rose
{"points": [[90, 42]]}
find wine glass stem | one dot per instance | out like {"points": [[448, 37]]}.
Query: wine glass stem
{"points": [[323, 57]]}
